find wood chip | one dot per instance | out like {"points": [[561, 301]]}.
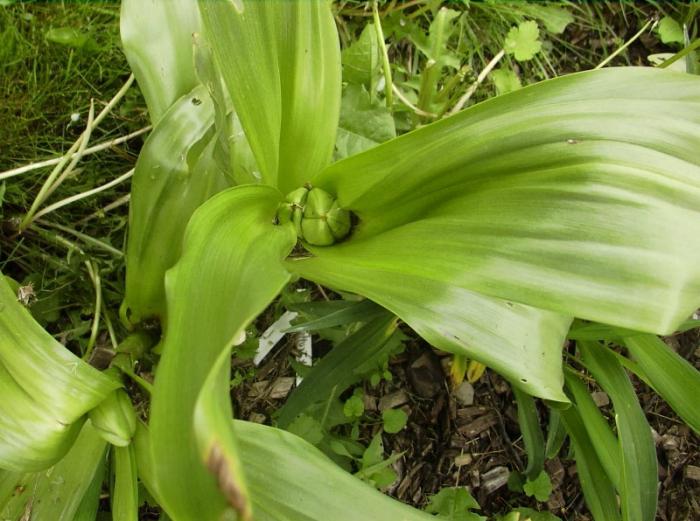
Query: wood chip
{"points": [[481, 424], [463, 459], [256, 417], [600, 398], [426, 375], [276, 391], [692, 472], [494, 479], [467, 413], [393, 400]]}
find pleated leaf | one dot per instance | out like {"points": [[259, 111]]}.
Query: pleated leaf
{"points": [[175, 173], [58, 493], [291, 480], [157, 41], [579, 194], [230, 270], [281, 63], [46, 390], [521, 342]]}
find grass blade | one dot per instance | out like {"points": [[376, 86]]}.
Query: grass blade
{"points": [[639, 471], [337, 371], [529, 422], [602, 438], [669, 374], [597, 488]]}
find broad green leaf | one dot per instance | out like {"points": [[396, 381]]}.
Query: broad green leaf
{"points": [[540, 487], [554, 17], [157, 41], [598, 491], [46, 390], [308, 428], [579, 194], [232, 152], [32, 438], [281, 63], [216, 438], [529, 422], [290, 480], [175, 173], [505, 81], [670, 31], [374, 467], [521, 342], [125, 494], [362, 59], [336, 371], [354, 407], [604, 441], [363, 124], [8, 485], [454, 504], [639, 471], [229, 272], [669, 374], [394, 420], [90, 503], [57, 493], [522, 41]]}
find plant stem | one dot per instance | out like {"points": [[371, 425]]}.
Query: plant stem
{"points": [[111, 206], [95, 276], [80, 144], [410, 105], [388, 84], [91, 150], [83, 237], [626, 44], [78, 197], [479, 80]]}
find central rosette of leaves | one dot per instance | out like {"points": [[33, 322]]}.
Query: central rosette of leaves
{"points": [[316, 215]]}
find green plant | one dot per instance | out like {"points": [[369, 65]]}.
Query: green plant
{"points": [[486, 232]]}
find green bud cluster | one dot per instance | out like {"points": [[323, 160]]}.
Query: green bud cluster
{"points": [[316, 215]]}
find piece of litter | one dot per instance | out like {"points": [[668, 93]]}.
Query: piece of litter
{"points": [[303, 343], [272, 335]]}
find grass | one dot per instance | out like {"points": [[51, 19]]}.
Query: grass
{"points": [[46, 88]]}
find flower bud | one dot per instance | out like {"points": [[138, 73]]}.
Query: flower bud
{"points": [[317, 217]]}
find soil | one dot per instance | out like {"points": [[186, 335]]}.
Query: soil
{"points": [[477, 443]]}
